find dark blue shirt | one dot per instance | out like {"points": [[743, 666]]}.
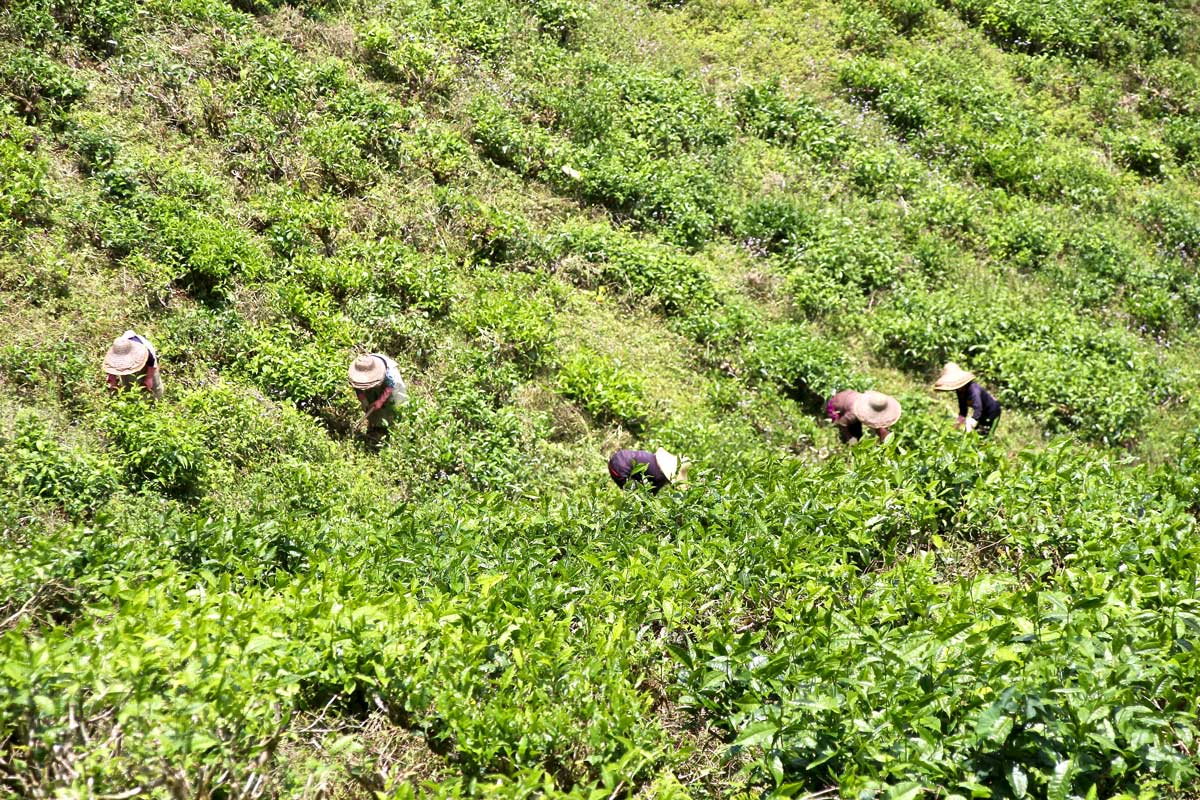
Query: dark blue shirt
{"points": [[975, 396], [624, 466]]}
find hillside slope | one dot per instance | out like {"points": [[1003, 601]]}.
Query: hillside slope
{"points": [[579, 225]]}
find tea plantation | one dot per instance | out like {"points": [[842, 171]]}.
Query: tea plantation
{"points": [[579, 225]]}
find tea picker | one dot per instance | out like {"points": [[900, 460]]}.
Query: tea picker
{"points": [[131, 361], [840, 411], [377, 383], [970, 395], [627, 467]]}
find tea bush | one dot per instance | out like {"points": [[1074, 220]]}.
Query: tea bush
{"points": [[97, 24], [39, 466], [846, 259], [516, 325], [604, 388], [1174, 221], [777, 224], [39, 88], [408, 59], [419, 280], [230, 592], [768, 113], [1091, 28], [801, 362], [642, 269], [608, 141], [22, 187], [287, 364], [158, 449]]}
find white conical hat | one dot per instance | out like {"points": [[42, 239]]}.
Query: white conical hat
{"points": [[672, 466]]}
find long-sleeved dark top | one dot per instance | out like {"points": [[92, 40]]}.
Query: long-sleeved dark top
{"points": [[975, 396], [622, 466]]}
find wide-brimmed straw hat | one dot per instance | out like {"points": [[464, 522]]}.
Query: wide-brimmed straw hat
{"points": [[367, 371], [672, 466], [953, 377], [876, 409], [126, 356]]}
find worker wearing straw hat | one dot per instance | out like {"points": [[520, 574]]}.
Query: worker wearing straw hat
{"points": [[658, 468], [131, 361], [970, 395], [376, 381], [877, 411], [840, 411]]}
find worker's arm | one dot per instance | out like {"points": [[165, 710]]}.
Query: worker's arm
{"points": [[148, 381], [113, 382], [962, 406], [383, 398], [976, 400]]}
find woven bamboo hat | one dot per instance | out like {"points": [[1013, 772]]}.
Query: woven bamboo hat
{"points": [[953, 377], [876, 409], [367, 371], [126, 356], [671, 465]]}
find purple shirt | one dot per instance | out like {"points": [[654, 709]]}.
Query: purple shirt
{"points": [[623, 467]]}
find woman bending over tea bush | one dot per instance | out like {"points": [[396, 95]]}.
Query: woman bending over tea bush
{"points": [[970, 395], [850, 411], [131, 361], [639, 466], [376, 381]]}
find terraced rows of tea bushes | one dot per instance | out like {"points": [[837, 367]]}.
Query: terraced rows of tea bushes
{"points": [[579, 225]]}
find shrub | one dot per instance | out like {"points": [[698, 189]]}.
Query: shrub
{"points": [[438, 149], [558, 19], [1104, 29], [1173, 219], [768, 113], [509, 141], [337, 149], [495, 236], [889, 87], [1026, 236], [96, 24], [407, 59], [1182, 136], [289, 365], [58, 365], [38, 466], [1070, 369], [604, 388], [205, 252], [510, 323], [38, 87], [642, 269], [158, 448], [22, 174], [776, 223], [884, 171], [847, 259], [807, 365], [862, 28], [647, 146], [393, 269], [1144, 154]]}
